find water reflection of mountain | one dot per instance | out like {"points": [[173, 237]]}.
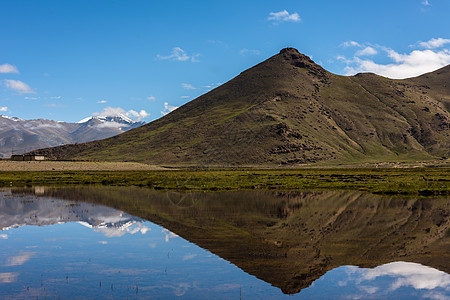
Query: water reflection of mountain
{"points": [[20, 207], [290, 239]]}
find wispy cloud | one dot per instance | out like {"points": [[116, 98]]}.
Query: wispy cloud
{"points": [[179, 54], [3, 108], [434, 43], [31, 98], [283, 16], [426, 3], [102, 101], [7, 68], [52, 105], [350, 44], [168, 108], [188, 86], [152, 98], [246, 51], [366, 51], [18, 86]]}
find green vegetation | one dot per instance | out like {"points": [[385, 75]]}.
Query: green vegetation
{"points": [[415, 181]]}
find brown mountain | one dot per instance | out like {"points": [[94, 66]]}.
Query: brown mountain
{"points": [[289, 110]]}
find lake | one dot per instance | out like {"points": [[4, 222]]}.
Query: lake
{"points": [[128, 243]]}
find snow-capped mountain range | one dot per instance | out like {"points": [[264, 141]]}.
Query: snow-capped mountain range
{"points": [[19, 136]]}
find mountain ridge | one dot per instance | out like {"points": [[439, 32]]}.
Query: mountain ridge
{"points": [[19, 136], [287, 110]]}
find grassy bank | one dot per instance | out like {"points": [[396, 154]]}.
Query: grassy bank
{"points": [[417, 181]]}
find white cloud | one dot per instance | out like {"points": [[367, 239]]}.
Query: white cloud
{"points": [[102, 101], [31, 98], [426, 3], [284, 16], [434, 43], [350, 44], [3, 236], [56, 97], [7, 68], [110, 112], [137, 115], [179, 54], [152, 98], [18, 86], [368, 51], [403, 65], [168, 108], [4, 108], [117, 111], [246, 51], [188, 86]]}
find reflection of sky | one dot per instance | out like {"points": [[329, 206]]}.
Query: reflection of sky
{"points": [[114, 255], [407, 274], [396, 280]]}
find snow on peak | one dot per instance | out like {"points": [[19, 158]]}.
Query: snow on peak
{"points": [[11, 118], [84, 120], [119, 118]]}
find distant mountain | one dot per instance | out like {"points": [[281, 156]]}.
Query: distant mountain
{"points": [[288, 110], [18, 136]]}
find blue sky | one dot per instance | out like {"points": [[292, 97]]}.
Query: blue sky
{"points": [[67, 60]]}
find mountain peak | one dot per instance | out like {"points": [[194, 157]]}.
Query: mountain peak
{"points": [[297, 59]]}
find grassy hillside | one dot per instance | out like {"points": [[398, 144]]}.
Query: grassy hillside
{"points": [[289, 111]]}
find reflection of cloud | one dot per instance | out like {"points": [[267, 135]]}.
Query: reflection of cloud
{"points": [[226, 287], [3, 236], [131, 228], [181, 289], [169, 235], [20, 259], [189, 256], [436, 295], [409, 274], [8, 277], [126, 272]]}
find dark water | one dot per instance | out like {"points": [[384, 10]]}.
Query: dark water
{"points": [[118, 243]]}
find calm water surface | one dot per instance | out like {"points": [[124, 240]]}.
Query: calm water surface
{"points": [[120, 243]]}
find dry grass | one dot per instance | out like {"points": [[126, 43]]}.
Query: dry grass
{"points": [[74, 166]]}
